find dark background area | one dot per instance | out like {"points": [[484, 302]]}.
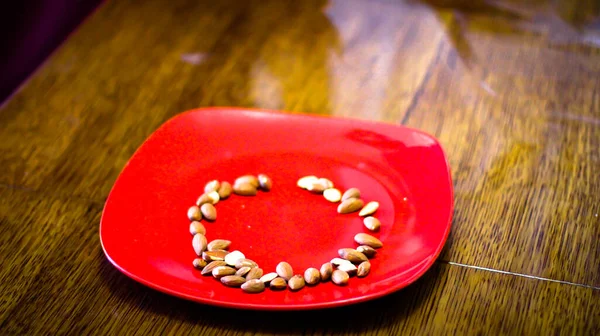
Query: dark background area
{"points": [[30, 30]]}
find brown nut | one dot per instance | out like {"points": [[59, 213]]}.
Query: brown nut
{"points": [[312, 276], [332, 195], [350, 205], [267, 278], [253, 286], [352, 255], [214, 255], [197, 227], [244, 189], [284, 270], [225, 190], [278, 284], [213, 197], [194, 213], [212, 186], [349, 268], [340, 278], [203, 199], [367, 250], [211, 266], [247, 179], [255, 273], [363, 269], [325, 271], [326, 183], [265, 182], [221, 271], [369, 209], [296, 283], [199, 243], [317, 187], [199, 263], [233, 280], [233, 257], [306, 181], [245, 262], [209, 211], [219, 244], [243, 271], [367, 239], [351, 193], [372, 223]]}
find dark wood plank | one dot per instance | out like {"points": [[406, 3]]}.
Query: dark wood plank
{"points": [[521, 127], [513, 98], [56, 280]]}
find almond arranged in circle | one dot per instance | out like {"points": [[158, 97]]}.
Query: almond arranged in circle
{"points": [[199, 263], [233, 280], [367, 239], [225, 190], [244, 189], [284, 270], [214, 255], [213, 197], [367, 250], [349, 268], [278, 284], [233, 269], [245, 262], [332, 195], [211, 266], [369, 209], [340, 277], [194, 213], [350, 205], [296, 283], [363, 269], [197, 227], [199, 243], [317, 187], [243, 271], [312, 276], [351, 193], [372, 223], [325, 271], [267, 278], [247, 179], [325, 183], [255, 273], [232, 258], [212, 186], [352, 255], [203, 199], [221, 271], [265, 183], [306, 181], [219, 244], [253, 286], [209, 211]]}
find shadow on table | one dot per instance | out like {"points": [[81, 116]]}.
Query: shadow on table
{"points": [[375, 314]]}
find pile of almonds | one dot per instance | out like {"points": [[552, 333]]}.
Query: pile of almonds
{"points": [[233, 269]]}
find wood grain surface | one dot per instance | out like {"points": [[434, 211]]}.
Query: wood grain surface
{"points": [[511, 90], [58, 281]]}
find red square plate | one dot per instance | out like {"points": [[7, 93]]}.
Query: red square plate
{"points": [[145, 231]]}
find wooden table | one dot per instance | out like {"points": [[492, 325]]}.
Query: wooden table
{"points": [[511, 91]]}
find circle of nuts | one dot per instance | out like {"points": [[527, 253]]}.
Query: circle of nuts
{"points": [[233, 269]]}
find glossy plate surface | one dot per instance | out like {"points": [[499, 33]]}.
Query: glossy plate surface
{"points": [[145, 232]]}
